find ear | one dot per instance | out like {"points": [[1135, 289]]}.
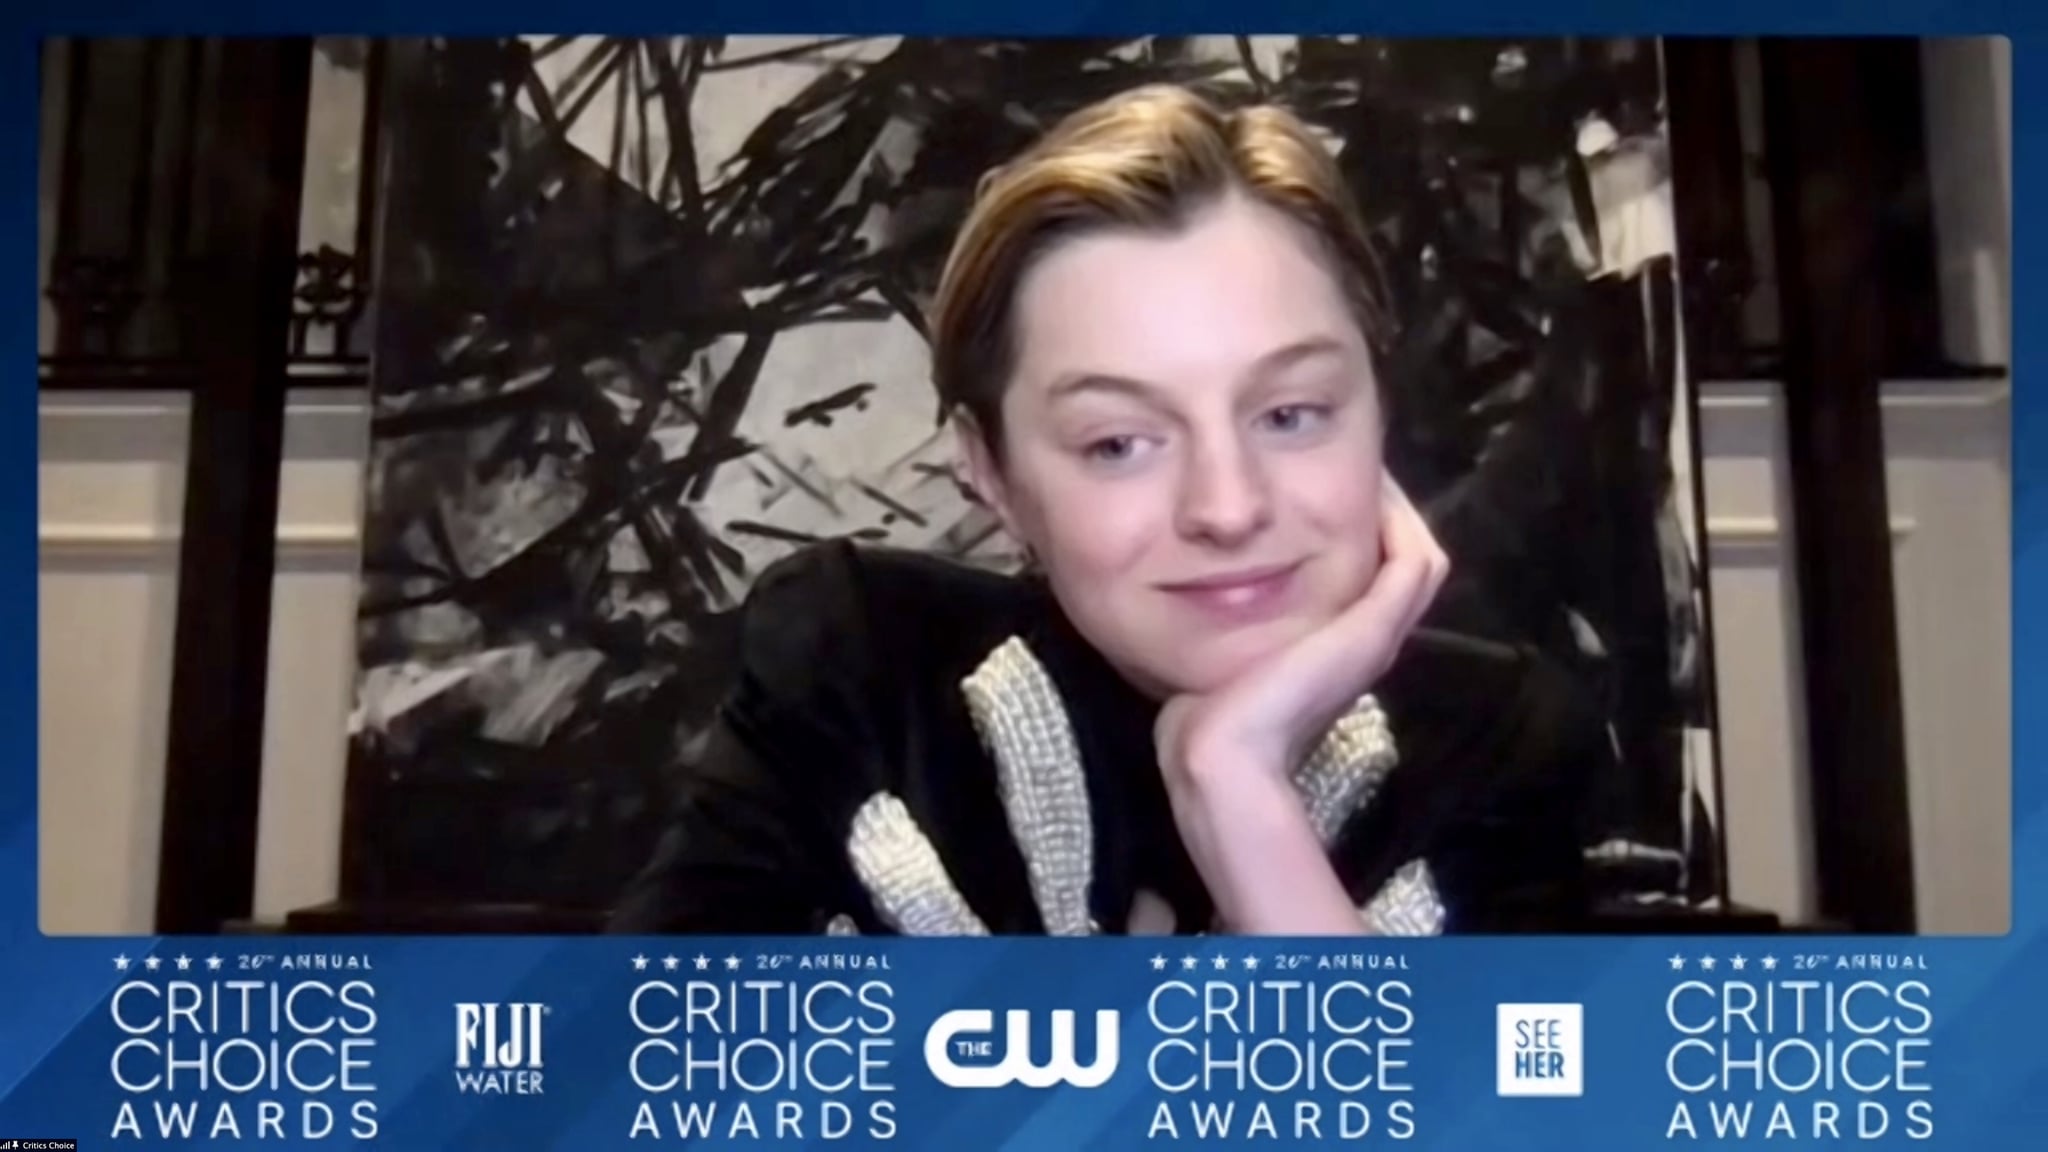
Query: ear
{"points": [[984, 474]]}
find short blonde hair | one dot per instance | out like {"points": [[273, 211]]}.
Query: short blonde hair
{"points": [[1149, 159]]}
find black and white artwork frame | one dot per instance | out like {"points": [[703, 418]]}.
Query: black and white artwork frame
{"points": [[648, 315]]}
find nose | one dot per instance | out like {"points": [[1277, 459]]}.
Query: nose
{"points": [[1224, 498]]}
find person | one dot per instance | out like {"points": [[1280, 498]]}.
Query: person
{"points": [[1216, 700]]}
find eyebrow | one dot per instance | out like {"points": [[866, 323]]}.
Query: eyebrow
{"points": [[1285, 356]]}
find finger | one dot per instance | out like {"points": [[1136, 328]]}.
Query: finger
{"points": [[1308, 684], [1403, 528], [1408, 542], [1360, 644], [1405, 583], [1326, 672], [1424, 537]]}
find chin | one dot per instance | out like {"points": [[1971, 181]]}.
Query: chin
{"points": [[1208, 666]]}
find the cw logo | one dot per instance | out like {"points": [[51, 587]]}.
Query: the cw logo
{"points": [[1016, 1067]]}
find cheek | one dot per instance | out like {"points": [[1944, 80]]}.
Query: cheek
{"points": [[1338, 500], [1087, 531]]}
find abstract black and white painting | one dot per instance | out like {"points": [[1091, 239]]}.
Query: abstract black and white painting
{"points": [[649, 316]]}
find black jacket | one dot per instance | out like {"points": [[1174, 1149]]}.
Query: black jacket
{"points": [[850, 684]]}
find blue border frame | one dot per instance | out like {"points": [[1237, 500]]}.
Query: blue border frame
{"points": [[1991, 998]]}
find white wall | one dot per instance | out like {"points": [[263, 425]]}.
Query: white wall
{"points": [[1968, 86], [1950, 493], [112, 472], [111, 483]]}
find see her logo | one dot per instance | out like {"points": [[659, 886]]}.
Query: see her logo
{"points": [[1540, 1050]]}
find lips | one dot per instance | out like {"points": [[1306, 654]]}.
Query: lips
{"points": [[1241, 596]]}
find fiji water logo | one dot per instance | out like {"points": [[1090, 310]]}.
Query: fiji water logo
{"points": [[498, 1048], [967, 1034]]}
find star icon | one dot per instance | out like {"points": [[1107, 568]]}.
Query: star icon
{"points": [[1737, 963], [1158, 963], [732, 963], [213, 963], [1678, 963], [121, 962], [702, 962], [1220, 963], [1251, 962], [152, 963], [639, 963], [669, 963], [184, 962], [1769, 962], [1187, 963], [1707, 963]]}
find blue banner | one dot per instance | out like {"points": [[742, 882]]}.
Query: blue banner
{"points": [[1031, 1044], [1039, 1045]]}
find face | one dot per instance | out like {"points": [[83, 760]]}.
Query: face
{"points": [[1192, 444]]}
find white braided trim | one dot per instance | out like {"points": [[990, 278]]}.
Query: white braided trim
{"points": [[902, 872], [1024, 725]]}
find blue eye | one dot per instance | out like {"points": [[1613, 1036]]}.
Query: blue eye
{"points": [[1289, 418], [1112, 449], [1116, 453]]}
